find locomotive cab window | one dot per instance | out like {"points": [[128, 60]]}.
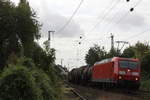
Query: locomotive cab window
{"points": [[128, 64]]}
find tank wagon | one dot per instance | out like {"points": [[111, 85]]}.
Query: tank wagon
{"points": [[113, 71]]}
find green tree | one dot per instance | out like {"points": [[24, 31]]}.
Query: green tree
{"points": [[113, 53], [43, 58], [27, 26], [18, 83], [128, 52], [18, 30], [9, 41], [145, 66], [30, 73], [95, 54], [141, 49]]}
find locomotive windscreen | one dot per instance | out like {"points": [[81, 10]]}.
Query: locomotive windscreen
{"points": [[128, 64]]}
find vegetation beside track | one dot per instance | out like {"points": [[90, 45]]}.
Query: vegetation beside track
{"points": [[68, 94], [27, 71], [145, 85], [26, 82]]}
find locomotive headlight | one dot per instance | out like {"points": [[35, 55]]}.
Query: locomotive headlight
{"points": [[122, 72], [136, 79], [135, 73], [120, 77]]}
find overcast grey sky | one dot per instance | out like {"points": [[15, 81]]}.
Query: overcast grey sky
{"points": [[53, 14]]}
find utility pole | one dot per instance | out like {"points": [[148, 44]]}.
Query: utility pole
{"points": [[112, 41], [49, 37], [62, 62]]}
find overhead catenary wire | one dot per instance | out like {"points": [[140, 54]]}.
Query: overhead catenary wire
{"points": [[133, 36], [137, 3], [114, 17], [126, 14], [138, 34], [118, 22], [106, 14], [70, 19], [130, 10]]}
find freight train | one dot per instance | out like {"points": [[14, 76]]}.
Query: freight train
{"points": [[116, 71]]}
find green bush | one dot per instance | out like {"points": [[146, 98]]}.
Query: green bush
{"points": [[46, 85], [27, 62], [55, 80], [145, 85], [22, 83], [145, 66], [17, 83]]}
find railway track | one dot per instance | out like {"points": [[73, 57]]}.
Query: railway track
{"points": [[76, 93], [131, 93]]}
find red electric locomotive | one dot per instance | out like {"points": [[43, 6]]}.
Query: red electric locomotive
{"points": [[116, 71], [120, 71]]}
